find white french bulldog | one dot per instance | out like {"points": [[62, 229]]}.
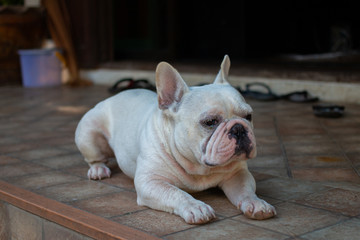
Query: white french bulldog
{"points": [[189, 140]]}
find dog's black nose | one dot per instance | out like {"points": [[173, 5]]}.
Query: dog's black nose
{"points": [[238, 132], [243, 143]]}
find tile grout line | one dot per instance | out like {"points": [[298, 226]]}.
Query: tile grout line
{"points": [[256, 226], [292, 201], [329, 226], [71, 202], [128, 213], [343, 153], [283, 150], [223, 219], [347, 218]]}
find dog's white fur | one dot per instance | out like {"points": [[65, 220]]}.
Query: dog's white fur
{"points": [[180, 140]]}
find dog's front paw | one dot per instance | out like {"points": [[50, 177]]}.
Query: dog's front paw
{"points": [[98, 171], [197, 213], [256, 208]]}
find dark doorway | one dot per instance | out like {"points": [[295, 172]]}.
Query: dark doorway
{"points": [[114, 30]]}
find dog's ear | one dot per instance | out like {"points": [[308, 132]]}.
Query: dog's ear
{"points": [[222, 76], [169, 85]]}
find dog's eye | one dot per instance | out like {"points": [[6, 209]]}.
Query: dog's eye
{"points": [[248, 117], [210, 122]]}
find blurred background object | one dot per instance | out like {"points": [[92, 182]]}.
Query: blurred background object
{"points": [[20, 28]]}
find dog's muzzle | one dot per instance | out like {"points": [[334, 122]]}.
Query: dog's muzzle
{"points": [[232, 138], [243, 142]]}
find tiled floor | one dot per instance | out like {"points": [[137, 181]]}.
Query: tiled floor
{"points": [[307, 167]]}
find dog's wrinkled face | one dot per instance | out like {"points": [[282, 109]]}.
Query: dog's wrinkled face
{"points": [[216, 124], [212, 123]]}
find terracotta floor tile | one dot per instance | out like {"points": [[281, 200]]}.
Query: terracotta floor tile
{"points": [[312, 149], [19, 147], [340, 122], [79, 170], [119, 179], [38, 153], [57, 142], [47, 134], [110, 205], [263, 123], [43, 179], [351, 148], [20, 169], [309, 139], [154, 222], [226, 229], [38, 125], [61, 117], [270, 200], [262, 114], [303, 161], [285, 131], [6, 140], [268, 149], [63, 161], [265, 132], [286, 120], [347, 230], [298, 127], [10, 126], [343, 185], [71, 147], [218, 201], [295, 220], [77, 191], [262, 140], [69, 127], [327, 174], [260, 176], [354, 158], [274, 171], [6, 160], [344, 130], [336, 200], [348, 138], [267, 161], [284, 189]]}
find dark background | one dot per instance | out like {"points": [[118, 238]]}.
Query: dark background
{"points": [[114, 30]]}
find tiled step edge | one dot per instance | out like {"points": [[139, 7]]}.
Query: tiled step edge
{"points": [[83, 222]]}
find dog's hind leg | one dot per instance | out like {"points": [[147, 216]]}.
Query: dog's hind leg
{"points": [[91, 138]]}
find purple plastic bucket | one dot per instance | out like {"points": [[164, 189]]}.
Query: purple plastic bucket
{"points": [[40, 67]]}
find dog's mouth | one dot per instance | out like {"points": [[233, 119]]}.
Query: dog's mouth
{"points": [[230, 140]]}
